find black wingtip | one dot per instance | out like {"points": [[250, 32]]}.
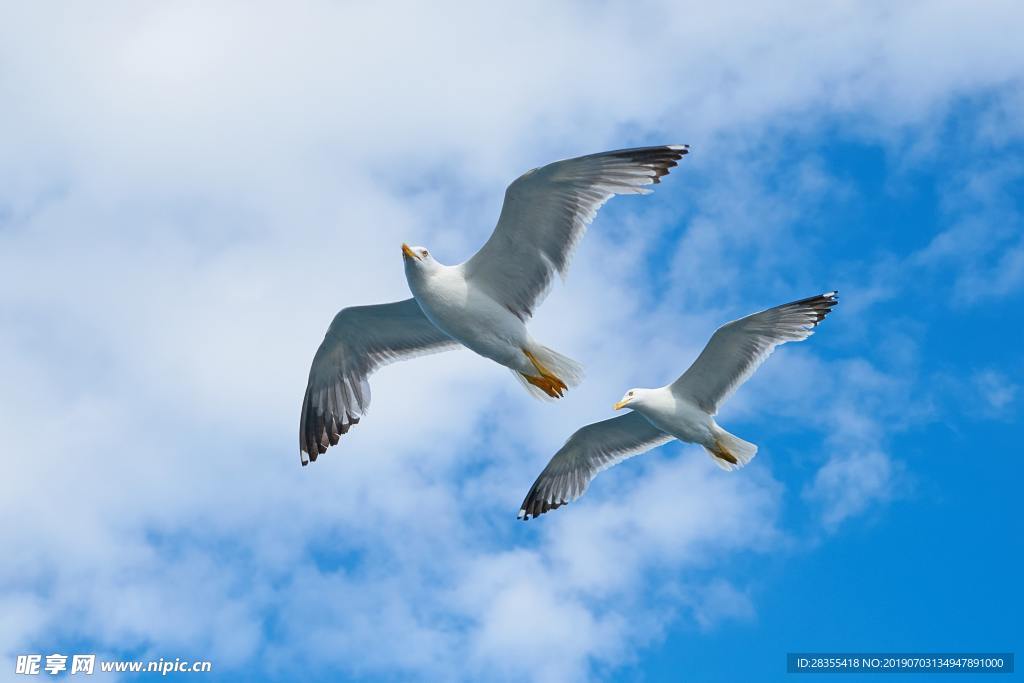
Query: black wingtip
{"points": [[533, 507], [826, 301]]}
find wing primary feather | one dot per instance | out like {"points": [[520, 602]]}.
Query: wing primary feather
{"points": [[358, 341], [545, 213], [590, 450], [738, 348]]}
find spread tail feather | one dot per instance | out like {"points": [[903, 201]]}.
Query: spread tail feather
{"points": [[730, 452], [563, 368]]}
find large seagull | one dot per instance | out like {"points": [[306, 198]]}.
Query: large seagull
{"points": [[682, 410], [483, 303]]}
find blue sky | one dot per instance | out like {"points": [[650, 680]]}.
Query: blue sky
{"points": [[188, 194], [931, 569]]}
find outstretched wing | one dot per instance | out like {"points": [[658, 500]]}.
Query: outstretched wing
{"points": [[359, 340], [590, 450], [546, 212], [736, 349]]}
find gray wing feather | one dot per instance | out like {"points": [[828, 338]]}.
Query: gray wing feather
{"points": [[590, 450], [359, 340], [545, 213], [736, 349]]}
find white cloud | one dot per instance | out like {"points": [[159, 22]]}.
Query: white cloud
{"points": [[982, 247], [849, 483], [997, 392], [720, 600], [189, 192]]}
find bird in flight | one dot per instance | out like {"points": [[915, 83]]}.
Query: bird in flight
{"points": [[682, 410], [483, 303]]}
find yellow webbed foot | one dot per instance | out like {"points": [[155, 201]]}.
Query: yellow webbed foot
{"points": [[554, 381], [546, 385], [723, 453]]}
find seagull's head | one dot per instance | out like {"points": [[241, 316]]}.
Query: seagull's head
{"points": [[417, 258], [633, 398]]}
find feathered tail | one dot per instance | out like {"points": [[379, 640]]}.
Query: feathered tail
{"points": [[730, 452]]}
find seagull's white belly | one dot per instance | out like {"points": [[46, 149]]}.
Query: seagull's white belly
{"points": [[472, 318], [683, 420]]}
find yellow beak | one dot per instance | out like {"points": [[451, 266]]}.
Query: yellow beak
{"points": [[409, 253], [621, 404]]}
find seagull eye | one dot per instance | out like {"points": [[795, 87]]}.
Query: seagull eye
{"points": [[631, 393], [423, 252]]}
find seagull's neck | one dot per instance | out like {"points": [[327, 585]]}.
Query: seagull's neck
{"points": [[655, 401], [430, 278]]}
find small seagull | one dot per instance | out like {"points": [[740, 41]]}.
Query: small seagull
{"points": [[682, 410], [483, 303]]}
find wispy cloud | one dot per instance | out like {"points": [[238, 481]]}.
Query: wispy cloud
{"points": [[998, 392], [850, 483]]}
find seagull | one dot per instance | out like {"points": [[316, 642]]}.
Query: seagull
{"points": [[482, 304], [682, 410]]}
